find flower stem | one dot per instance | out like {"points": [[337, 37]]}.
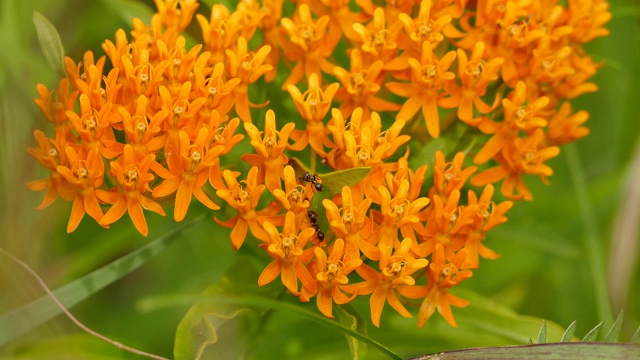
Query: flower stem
{"points": [[591, 236]]}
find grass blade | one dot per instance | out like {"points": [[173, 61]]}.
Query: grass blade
{"points": [[542, 335], [593, 334], [22, 320], [612, 335]]}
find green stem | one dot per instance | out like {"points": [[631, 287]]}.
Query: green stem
{"points": [[591, 236]]}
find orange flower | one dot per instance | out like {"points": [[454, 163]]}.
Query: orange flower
{"points": [[475, 74], [180, 112], [133, 177], [564, 128], [331, 274], [449, 176], [587, 18], [442, 275], [189, 166], [243, 196], [395, 271], [377, 41], [85, 174], [522, 156], [176, 13], [293, 198], [313, 106], [349, 220], [287, 250], [428, 78], [55, 103], [215, 88], [270, 158], [221, 31], [249, 67], [308, 45], [94, 129], [50, 154], [143, 131], [419, 30], [359, 87], [518, 117]]}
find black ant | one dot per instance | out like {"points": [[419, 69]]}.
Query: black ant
{"points": [[314, 179], [313, 219]]}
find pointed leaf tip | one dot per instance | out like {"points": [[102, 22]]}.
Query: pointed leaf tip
{"points": [[593, 334], [542, 335], [612, 334], [568, 334], [50, 42]]}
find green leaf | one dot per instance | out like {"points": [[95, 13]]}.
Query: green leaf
{"points": [[22, 320], [77, 346], [225, 330], [612, 334], [542, 335], [636, 336], [263, 302], [336, 180], [458, 137], [50, 42], [348, 316], [593, 334], [544, 352], [127, 10], [568, 334]]}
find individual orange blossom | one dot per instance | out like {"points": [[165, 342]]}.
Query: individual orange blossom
{"points": [[221, 31], [313, 106], [331, 277], [289, 257], [143, 131], [142, 76], [94, 129], [521, 156], [176, 13], [182, 63], [87, 74], [85, 174], [50, 154], [587, 19], [475, 74], [395, 271], [488, 214], [249, 67], [269, 145], [293, 198], [215, 88], [443, 274], [341, 19], [55, 103], [307, 46], [359, 87], [133, 177], [348, 221], [565, 127], [449, 176], [518, 117], [189, 165], [222, 132], [180, 111], [376, 40], [244, 196], [428, 78]]}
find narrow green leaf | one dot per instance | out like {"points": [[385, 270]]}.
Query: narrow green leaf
{"points": [[593, 334], [336, 180], [636, 336], [22, 320], [542, 335], [347, 316], [50, 42], [568, 334], [127, 10], [257, 301], [612, 334]]}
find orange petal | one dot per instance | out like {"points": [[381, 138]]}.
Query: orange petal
{"points": [[137, 216], [115, 212], [183, 199], [77, 212], [270, 272]]}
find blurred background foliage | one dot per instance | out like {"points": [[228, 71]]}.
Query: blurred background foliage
{"points": [[544, 270]]}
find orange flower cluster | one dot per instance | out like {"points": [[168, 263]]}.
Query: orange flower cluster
{"points": [[162, 116]]}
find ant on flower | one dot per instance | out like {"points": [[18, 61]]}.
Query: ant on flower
{"points": [[313, 219], [315, 179]]}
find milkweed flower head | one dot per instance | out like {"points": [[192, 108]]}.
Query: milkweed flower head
{"points": [[369, 94]]}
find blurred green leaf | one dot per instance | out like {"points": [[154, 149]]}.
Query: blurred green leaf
{"points": [[336, 180], [78, 346], [612, 334], [636, 336], [542, 335], [20, 321], [50, 42], [593, 334], [348, 316], [128, 9], [568, 334]]}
